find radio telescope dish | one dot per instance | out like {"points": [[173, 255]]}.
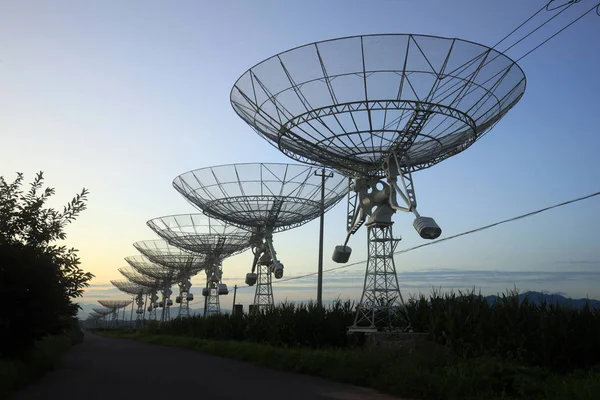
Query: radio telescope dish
{"points": [[140, 279], [152, 284], [157, 271], [115, 306], [263, 198], [349, 103], [260, 196], [167, 274], [102, 313], [114, 303], [214, 239], [378, 108], [201, 234], [186, 263], [130, 287], [137, 292]]}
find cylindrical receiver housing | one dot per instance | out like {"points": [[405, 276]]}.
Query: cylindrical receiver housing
{"points": [[427, 227], [223, 289], [341, 254], [251, 278]]}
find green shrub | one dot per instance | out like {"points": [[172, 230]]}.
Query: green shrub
{"points": [[44, 355]]}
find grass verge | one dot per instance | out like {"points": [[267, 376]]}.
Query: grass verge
{"points": [[418, 375], [16, 373]]}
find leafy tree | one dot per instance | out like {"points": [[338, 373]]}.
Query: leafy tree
{"points": [[38, 278]]}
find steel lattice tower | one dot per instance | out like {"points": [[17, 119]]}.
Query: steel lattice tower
{"points": [[381, 293], [183, 300], [153, 306], [263, 296]]}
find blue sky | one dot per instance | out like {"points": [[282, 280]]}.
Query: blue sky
{"points": [[122, 96]]}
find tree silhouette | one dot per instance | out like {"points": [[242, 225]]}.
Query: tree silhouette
{"points": [[38, 278]]}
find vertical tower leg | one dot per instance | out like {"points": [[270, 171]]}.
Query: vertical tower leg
{"points": [[381, 293], [263, 297]]}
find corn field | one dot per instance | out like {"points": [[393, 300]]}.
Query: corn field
{"points": [[289, 325], [544, 334], [548, 335]]}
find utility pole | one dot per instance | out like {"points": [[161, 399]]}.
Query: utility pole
{"points": [[323, 176], [131, 317], [234, 293]]}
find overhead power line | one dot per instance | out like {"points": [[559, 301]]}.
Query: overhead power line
{"points": [[522, 216], [595, 7]]}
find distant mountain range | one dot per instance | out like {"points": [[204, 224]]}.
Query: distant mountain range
{"points": [[538, 298]]}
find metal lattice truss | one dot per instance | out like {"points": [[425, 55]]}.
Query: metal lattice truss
{"points": [[114, 304], [260, 196], [199, 233], [131, 288], [381, 293], [350, 103]]}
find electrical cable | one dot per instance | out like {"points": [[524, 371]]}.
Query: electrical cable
{"points": [[596, 7], [526, 215]]}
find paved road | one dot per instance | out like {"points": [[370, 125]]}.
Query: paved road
{"points": [[112, 369]]}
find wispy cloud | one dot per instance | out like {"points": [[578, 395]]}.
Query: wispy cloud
{"points": [[348, 283]]}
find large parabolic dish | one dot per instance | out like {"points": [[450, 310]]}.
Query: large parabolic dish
{"points": [[131, 288], [201, 234], [141, 279], [161, 252], [145, 266], [215, 239], [263, 198], [187, 263], [378, 108], [260, 195], [349, 103], [137, 291], [114, 304]]}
